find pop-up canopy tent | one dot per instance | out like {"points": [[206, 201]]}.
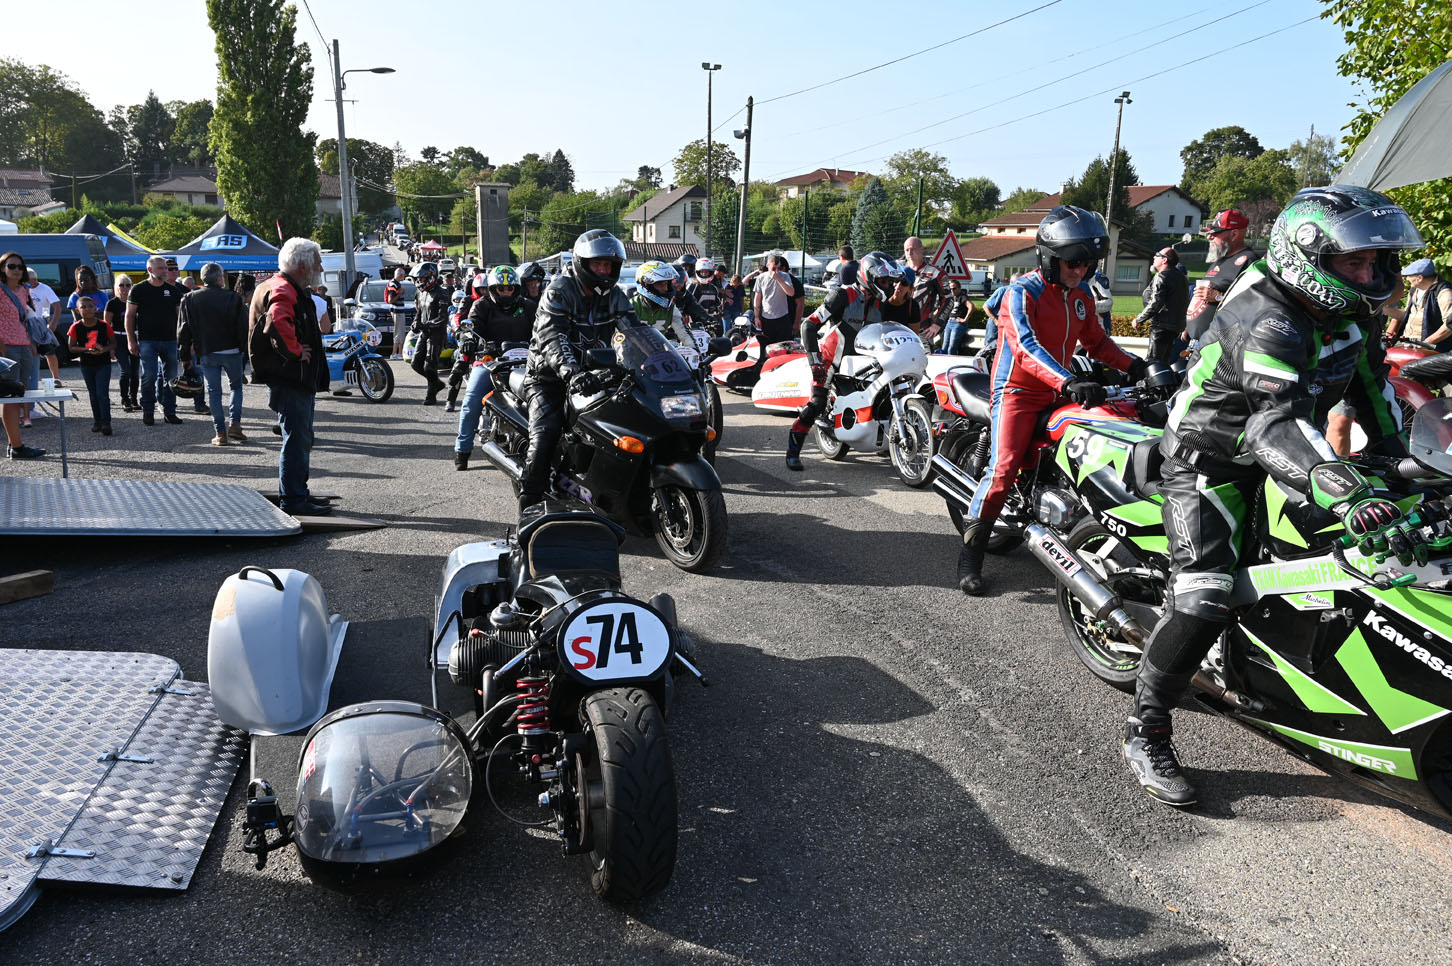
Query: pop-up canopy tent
{"points": [[431, 246], [230, 245], [1411, 143], [793, 260], [124, 252]]}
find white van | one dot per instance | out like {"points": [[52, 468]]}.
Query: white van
{"points": [[365, 265]]}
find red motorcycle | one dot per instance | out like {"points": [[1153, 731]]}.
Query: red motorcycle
{"points": [[1411, 394]]}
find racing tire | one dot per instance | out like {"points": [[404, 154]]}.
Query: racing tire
{"points": [[910, 443], [715, 419], [1108, 657], [375, 379], [832, 449], [689, 525], [630, 783]]}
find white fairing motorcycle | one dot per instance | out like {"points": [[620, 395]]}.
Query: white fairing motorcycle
{"points": [[874, 399]]}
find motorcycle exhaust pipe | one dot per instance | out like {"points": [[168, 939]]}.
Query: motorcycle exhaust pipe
{"points": [[951, 483], [1074, 574], [496, 455]]}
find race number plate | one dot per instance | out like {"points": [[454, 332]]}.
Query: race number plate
{"points": [[702, 340], [517, 355], [614, 640], [666, 366]]}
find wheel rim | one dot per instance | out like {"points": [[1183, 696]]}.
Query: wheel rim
{"points": [[370, 378], [830, 447], [679, 520], [1110, 650], [909, 443]]}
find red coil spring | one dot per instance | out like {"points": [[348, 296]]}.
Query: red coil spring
{"points": [[532, 714]]}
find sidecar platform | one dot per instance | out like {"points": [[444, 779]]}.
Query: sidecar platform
{"points": [[137, 508], [114, 771]]}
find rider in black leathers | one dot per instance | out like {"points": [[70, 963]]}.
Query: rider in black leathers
{"points": [[432, 324], [581, 308]]}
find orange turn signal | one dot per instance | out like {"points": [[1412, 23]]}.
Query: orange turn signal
{"points": [[710, 435], [630, 444]]}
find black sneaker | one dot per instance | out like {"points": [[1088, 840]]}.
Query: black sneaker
{"points": [[95, 427], [173, 418], [147, 419], [1150, 754], [105, 429], [794, 462], [24, 452]]}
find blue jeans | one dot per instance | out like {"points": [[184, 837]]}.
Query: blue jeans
{"points": [[98, 385], [955, 333], [294, 408], [479, 385], [213, 365], [126, 366], [156, 379]]}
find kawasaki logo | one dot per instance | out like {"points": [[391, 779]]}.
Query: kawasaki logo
{"points": [[1379, 624], [1358, 758]]}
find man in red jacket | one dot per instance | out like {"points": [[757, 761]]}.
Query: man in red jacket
{"points": [[286, 349]]}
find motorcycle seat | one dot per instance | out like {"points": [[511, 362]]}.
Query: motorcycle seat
{"points": [[515, 382], [559, 541], [1145, 463], [973, 392]]}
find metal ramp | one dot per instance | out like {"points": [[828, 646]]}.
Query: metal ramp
{"points": [[113, 771], [137, 508]]}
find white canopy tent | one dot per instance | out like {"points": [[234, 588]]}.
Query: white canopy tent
{"points": [[793, 260]]}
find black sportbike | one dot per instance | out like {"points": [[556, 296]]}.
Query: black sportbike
{"points": [[631, 452]]}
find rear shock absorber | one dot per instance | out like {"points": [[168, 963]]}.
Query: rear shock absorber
{"points": [[532, 714], [979, 459]]}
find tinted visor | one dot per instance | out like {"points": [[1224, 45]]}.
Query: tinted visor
{"points": [[1363, 229]]}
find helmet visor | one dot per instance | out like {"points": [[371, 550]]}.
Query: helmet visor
{"points": [[1368, 228]]}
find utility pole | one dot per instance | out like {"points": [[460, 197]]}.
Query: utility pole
{"points": [[344, 172], [745, 135], [524, 237], [806, 203], [1121, 100], [918, 214], [710, 70], [1305, 159]]}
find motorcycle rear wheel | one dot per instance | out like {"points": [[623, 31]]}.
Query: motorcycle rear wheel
{"points": [[833, 449], [1108, 656], [630, 787], [375, 379], [690, 526], [910, 443]]}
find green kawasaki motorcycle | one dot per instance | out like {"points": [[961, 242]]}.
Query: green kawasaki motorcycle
{"points": [[1342, 657]]}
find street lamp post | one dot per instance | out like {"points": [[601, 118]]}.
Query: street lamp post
{"points": [[344, 174], [745, 135], [710, 70], [1121, 100]]}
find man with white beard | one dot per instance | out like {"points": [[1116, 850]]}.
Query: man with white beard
{"points": [[1225, 260]]}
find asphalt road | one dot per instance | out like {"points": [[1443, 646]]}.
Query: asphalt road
{"points": [[883, 772]]}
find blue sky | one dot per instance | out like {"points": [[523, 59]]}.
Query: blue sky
{"points": [[616, 91]]}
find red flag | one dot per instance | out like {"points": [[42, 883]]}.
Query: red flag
{"points": [[279, 231]]}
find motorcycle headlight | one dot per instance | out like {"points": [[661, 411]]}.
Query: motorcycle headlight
{"points": [[686, 406]]}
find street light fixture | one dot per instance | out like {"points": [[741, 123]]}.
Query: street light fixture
{"points": [[1121, 100], [344, 174], [710, 70], [743, 134]]}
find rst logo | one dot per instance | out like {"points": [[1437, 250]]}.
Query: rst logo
{"points": [[1382, 626]]}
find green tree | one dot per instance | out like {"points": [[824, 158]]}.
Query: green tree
{"points": [[568, 215], [372, 165], [329, 233], [149, 129], [190, 134], [690, 164], [647, 177], [1201, 155], [1020, 200], [905, 168], [1091, 191], [45, 121], [530, 196], [463, 157], [265, 166], [974, 200], [875, 225], [430, 155], [424, 193], [560, 172], [1267, 180], [165, 229], [1315, 160]]}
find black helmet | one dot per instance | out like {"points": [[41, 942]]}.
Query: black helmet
{"points": [[1337, 220], [188, 385], [425, 272], [597, 243], [686, 261], [532, 271], [878, 275], [12, 381], [1070, 234]]}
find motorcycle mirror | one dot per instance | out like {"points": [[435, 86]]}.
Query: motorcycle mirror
{"points": [[601, 358], [718, 346]]}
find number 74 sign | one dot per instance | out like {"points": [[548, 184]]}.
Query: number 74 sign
{"points": [[616, 639]]}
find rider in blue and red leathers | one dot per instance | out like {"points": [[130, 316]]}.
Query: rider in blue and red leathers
{"points": [[1044, 316]]}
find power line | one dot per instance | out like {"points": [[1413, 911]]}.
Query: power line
{"points": [[327, 50]]}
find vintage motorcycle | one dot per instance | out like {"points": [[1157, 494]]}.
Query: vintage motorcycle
{"points": [[875, 399], [630, 452], [354, 363], [742, 366]]}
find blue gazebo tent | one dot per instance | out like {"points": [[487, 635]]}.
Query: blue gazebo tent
{"points": [[230, 245], [123, 251]]}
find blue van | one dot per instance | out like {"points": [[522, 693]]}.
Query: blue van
{"points": [[55, 259]]}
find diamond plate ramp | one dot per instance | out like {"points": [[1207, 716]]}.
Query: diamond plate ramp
{"points": [[148, 822], [60, 712], [137, 508]]}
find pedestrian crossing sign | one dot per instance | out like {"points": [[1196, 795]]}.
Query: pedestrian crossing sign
{"points": [[949, 259]]}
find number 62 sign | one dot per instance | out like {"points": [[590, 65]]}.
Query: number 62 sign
{"points": [[614, 640]]}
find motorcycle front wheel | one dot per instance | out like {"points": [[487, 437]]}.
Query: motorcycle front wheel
{"points": [[829, 446], [629, 783], [690, 525], [1108, 656], [714, 419], [375, 379], [910, 443]]}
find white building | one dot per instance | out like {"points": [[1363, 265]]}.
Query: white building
{"points": [[676, 215]]}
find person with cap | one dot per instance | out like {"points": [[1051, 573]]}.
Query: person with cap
{"points": [[1429, 315], [1165, 301], [1227, 258]]}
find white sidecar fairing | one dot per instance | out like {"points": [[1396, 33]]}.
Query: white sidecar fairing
{"points": [[467, 566], [272, 650]]}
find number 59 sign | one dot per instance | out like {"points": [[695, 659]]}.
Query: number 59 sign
{"points": [[616, 639]]}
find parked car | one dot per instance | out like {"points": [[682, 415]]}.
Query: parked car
{"points": [[447, 265], [369, 306]]}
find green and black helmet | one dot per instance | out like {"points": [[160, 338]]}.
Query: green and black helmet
{"points": [[1335, 220]]}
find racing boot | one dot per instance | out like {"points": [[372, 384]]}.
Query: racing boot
{"points": [[461, 460], [795, 438], [970, 557], [1148, 748]]}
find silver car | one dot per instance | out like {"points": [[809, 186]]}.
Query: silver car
{"points": [[370, 305]]}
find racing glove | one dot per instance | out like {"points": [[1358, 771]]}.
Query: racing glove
{"points": [[1137, 369], [1375, 525], [586, 383], [1085, 392]]}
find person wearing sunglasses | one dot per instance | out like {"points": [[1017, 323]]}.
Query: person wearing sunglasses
{"points": [[1226, 258], [16, 345], [1046, 315]]}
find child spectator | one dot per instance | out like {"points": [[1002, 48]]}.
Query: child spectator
{"points": [[93, 342]]}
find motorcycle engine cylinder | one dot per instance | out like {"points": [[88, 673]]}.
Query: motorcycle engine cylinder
{"points": [[474, 652], [1056, 508]]}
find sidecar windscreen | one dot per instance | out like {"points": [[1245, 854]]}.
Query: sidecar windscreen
{"points": [[1431, 439], [379, 785]]}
